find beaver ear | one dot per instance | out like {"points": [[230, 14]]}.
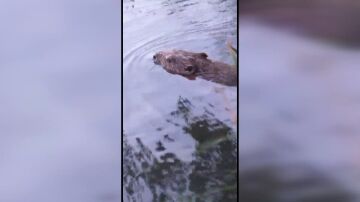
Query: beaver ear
{"points": [[189, 68], [203, 55]]}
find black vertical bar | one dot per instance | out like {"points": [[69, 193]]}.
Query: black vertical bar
{"points": [[122, 100], [237, 99]]}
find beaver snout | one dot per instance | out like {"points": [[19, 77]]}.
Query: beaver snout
{"points": [[156, 59]]}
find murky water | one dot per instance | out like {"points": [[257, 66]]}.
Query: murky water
{"points": [[299, 117], [180, 136]]}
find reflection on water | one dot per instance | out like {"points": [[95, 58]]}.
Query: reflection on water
{"points": [[299, 103], [60, 101], [288, 183], [164, 176]]}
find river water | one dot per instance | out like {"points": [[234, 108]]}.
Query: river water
{"points": [[60, 100], [180, 135], [299, 117]]}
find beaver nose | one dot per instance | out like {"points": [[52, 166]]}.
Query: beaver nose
{"points": [[155, 59]]}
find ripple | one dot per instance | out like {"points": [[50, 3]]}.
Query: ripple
{"points": [[199, 32]]}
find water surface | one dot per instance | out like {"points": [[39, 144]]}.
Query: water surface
{"points": [[299, 115], [180, 136], [60, 101]]}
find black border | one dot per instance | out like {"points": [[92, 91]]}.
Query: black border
{"points": [[122, 100], [237, 98]]}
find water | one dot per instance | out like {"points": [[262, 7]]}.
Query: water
{"points": [[299, 115], [60, 101], [180, 135]]}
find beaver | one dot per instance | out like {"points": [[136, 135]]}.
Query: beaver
{"points": [[191, 65]]}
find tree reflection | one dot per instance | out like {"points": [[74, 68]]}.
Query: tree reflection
{"points": [[211, 176]]}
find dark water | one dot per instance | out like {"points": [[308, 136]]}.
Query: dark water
{"points": [[180, 135]]}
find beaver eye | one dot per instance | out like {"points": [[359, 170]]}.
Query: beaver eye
{"points": [[154, 57]]}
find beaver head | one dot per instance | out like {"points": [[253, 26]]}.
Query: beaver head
{"points": [[181, 62]]}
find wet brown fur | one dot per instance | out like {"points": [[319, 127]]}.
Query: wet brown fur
{"points": [[192, 65]]}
